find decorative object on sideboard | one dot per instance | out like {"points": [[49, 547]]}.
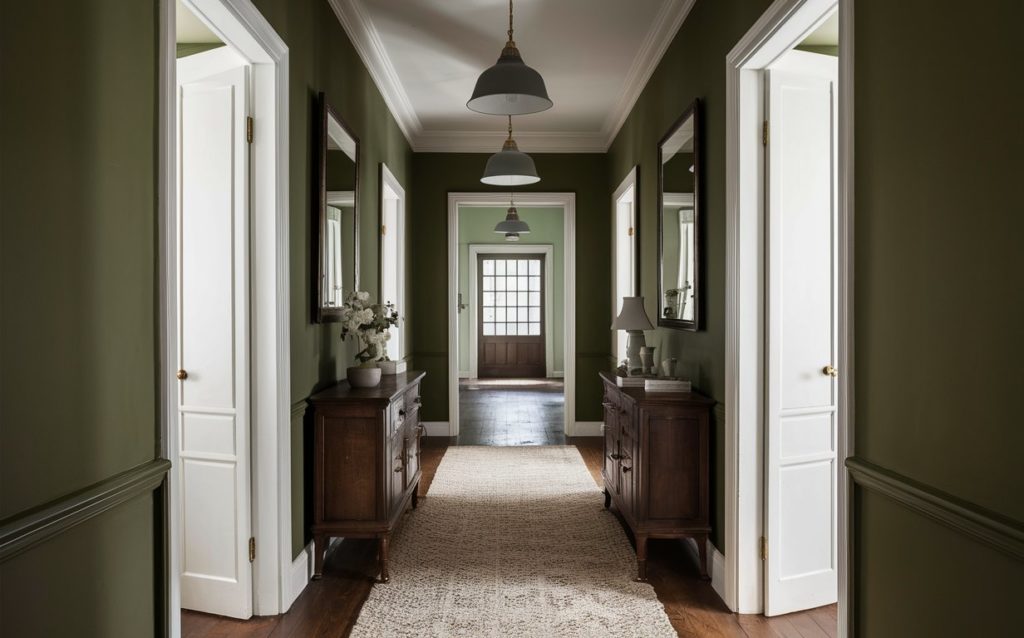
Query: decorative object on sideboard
{"points": [[647, 360], [634, 320], [367, 324], [389, 367], [668, 367], [509, 87]]}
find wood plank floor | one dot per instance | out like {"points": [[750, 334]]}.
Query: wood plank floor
{"points": [[329, 607]]}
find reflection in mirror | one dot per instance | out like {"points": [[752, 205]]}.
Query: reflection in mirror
{"points": [[337, 215], [678, 224]]}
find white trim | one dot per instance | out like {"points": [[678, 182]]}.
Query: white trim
{"points": [[557, 374], [589, 428], [628, 182], [301, 573], [364, 37], [549, 308], [778, 30], [717, 560], [389, 181], [436, 428], [568, 203], [239, 24], [367, 41]]}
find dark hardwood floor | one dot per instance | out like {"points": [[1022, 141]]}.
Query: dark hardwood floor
{"points": [[329, 607], [511, 412]]}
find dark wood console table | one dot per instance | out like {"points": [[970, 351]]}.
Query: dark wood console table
{"points": [[656, 465], [366, 461]]}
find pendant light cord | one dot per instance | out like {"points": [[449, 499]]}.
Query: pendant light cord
{"points": [[510, 128], [511, 42]]}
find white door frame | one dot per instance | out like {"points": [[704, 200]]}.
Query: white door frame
{"points": [[240, 24], [565, 201], [389, 181], [632, 180], [549, 308], [781, 27]]}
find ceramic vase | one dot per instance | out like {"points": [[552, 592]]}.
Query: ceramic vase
{"points": [[360, 377]]}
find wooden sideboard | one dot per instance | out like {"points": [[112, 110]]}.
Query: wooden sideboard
{"points": [[656, 465], [366, 468]]}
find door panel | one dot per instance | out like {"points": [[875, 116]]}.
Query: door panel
{"points": [[801, 524], [213, 303], [511, 324]]}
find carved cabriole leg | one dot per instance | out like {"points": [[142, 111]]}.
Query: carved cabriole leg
{"points": [[641, 558], [319, 546], [702, 548], [607, 498], [383, 557]]}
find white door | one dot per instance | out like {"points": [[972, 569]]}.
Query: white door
{"points": [[213, 301], [801, 569], [624, 254]]}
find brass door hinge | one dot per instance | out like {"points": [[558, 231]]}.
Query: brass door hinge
{"points": [[764, 133], [764, 548], [248, 129], [630, 231], [252, 549], [383, 230]]}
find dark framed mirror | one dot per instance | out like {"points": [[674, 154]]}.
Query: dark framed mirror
{"points": [[679, 223], [336, 214]]}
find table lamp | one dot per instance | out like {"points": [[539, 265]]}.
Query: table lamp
{"points": [[634, 320]]}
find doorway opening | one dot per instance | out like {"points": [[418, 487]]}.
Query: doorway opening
{"points": [[788, 336], [511, 371], [224, 304]]}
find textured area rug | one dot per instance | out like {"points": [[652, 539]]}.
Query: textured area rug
{"points": [[512, 542]]}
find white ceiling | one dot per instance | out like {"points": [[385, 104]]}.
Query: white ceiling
{"points": [[595, 57]]}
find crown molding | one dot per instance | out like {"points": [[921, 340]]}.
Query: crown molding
{"points": [[491, 142], [367, 42], [365, 38], [663, 31]]}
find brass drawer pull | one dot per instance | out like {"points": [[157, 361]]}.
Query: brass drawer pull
{"points": [[626, 469], [399, 469], [182, 375], [616, 457]]}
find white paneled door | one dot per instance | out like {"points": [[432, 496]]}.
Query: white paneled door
{"points": [[213, 301], [801, 569]]}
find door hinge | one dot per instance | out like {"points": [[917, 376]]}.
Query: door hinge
{"points": [[764, 133], [630, 231], [764, 548], [248, 129], [383, 230], [252, 549]]}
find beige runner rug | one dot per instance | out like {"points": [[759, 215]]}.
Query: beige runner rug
{"points": [[512, 542]]}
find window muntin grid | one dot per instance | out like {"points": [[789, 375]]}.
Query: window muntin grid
{"points": [[511, 296]]}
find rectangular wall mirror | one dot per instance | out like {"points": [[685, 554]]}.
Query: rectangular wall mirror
{"points": [[679, 223], [336, 215]]}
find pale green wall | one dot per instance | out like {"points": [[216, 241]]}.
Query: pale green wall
{"points": [[476, 226]]}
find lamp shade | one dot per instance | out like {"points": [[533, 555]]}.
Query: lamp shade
{"points": [[512, 225], [511, 236], [509, 87], [632, 316], [510, 167]]}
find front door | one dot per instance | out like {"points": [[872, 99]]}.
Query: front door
{"points": [[511, 324], [801, 568], [213, 357]]}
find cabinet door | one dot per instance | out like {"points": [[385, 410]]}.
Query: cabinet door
{"points": [[611, 444], [397, 474], [627, 450], [412, 449]]}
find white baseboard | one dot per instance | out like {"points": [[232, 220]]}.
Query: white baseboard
{"points": [[588, 428], [717, 569], [463, 375], [436, 428], [302, 571], [557, 374]]}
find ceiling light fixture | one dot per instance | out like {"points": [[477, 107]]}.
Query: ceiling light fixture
{"points": [[509, 87], [512, 227], [510, 166]]}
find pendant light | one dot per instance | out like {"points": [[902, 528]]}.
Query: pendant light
{"points": [[512, 227], [510, 166], [509, 87]]}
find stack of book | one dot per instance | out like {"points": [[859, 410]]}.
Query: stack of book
{"points": [[630, 382], [666, 385]]}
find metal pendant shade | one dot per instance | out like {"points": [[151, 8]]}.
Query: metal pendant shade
{"points": [[512, 227], [510, 167], [509, 87]]}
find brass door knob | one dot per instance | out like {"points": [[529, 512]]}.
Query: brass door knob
{"points": [[182, 375], [830, 371]]}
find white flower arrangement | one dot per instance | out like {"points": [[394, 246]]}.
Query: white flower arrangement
{"points": [[368, 323]]}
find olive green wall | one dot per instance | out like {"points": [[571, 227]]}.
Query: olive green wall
{"points": [[693, 68], [78, 306], [321, 58], [938, 308], [437, 174], [547, 226]]}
